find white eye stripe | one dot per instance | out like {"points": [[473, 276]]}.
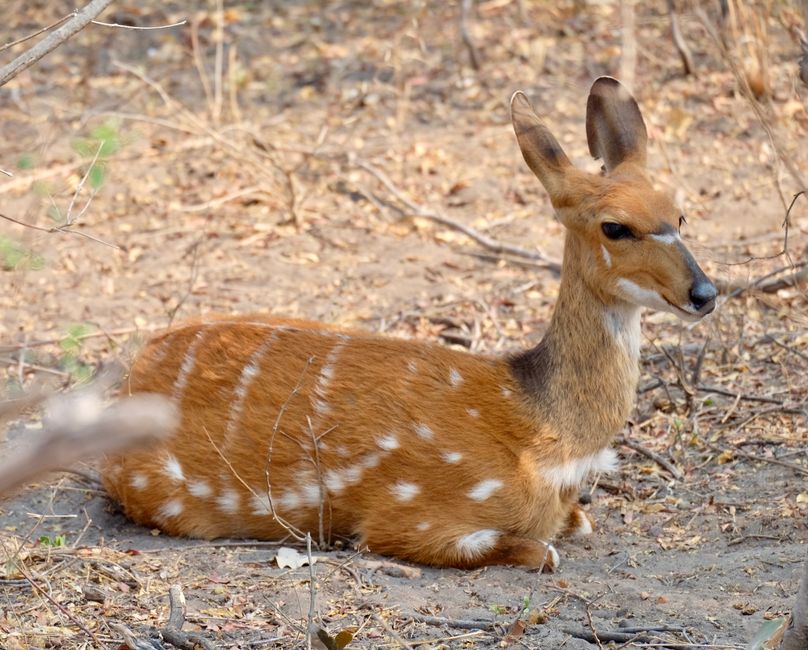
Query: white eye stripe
{"points": [[668, 238]]}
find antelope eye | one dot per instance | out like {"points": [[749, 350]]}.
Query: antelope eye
{"points": [[616, 230]]}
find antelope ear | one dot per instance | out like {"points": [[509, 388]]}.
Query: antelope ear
{"points": [[614, 126], [541, 150]]}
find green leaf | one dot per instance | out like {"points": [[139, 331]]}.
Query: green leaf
{"points": [[26, 161], [96, 175], [84, 147], [769, 634], [55, 214], [15, 257]]}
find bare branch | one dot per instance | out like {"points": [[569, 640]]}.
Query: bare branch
{"points": [[679, 41], [78, 426], [474, 56], [139, 27], [471, 233], [53, 40]]}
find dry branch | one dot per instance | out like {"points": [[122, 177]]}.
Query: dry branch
{"points": [[471, 233], [79, 21], [679, 41], [474, 56], [78, 426]]}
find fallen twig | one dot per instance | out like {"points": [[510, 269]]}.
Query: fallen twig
{"points": [[459, 624], [659, 460], [761, 459], [173, 633], [484, 240], [729, 393]]}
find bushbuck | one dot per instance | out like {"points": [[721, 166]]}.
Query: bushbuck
{"points": [[426, 453]]}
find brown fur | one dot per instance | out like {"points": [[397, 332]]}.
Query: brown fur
{"points": [[426, 453]]}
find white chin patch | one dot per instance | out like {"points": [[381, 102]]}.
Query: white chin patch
{"points": [[634, 293]]}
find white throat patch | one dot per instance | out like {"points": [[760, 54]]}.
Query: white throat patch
{"points": [[623, 324]]}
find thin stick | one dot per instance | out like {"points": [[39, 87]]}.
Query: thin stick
{"points": [[64, 229], [69, 219], [459, 624], [59, 606], [312, 590], [762, 459], [471, 233], [729, 393], [138, 27], [679, 41], [37, 33], [70, 28], [474, 56], [659, 460]]}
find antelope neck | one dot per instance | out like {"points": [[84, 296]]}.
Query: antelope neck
{"points": [[582, 376]]}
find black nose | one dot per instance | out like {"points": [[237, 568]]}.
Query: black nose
{"points": [[702, 293]]}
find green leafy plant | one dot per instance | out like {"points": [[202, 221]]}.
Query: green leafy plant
{"points": [[15, 257], [103, 142], [57, 541], [71, 353]]}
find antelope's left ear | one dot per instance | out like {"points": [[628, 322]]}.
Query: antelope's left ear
{"points": [[614, 126]]}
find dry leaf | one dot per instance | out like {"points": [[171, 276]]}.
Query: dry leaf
{"points": [[292, 559]]}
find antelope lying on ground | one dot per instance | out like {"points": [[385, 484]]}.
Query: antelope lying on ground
{"points": [[426, 453]]}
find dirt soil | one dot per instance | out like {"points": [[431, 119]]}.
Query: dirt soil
{"points": [[270, 177]]}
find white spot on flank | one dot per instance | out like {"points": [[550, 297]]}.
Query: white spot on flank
{"points": [[455, 378], [199, 488], [412, 366], [342, 450], [173, 469], [607, 259], [260, 504], [171, 508], [573, 472], [139, 481], [334, 481], [321, 407], [290, 500], [405, 491], [485, 489], [248, 375], [668, 238], [371, 460], [353, 474], [388, 442], [506, 392], [228, 501], [424, 431], [311, 494], [324, 379], [452, 457], [186, 368], [478, 542], [424, 525], [474, 413]]}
